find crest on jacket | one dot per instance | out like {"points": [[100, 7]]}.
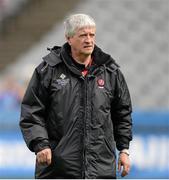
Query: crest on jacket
{"points": [[100, 83]]}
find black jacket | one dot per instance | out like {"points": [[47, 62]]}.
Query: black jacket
{"points": [[81, 118]]}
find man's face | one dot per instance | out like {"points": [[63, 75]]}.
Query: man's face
{"points": [[82, 42]]}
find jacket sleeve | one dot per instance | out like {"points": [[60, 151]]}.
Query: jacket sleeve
{"points": [[33, 111], [121, 113]]}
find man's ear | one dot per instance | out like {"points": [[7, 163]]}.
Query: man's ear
{"points": [[68, 40]]}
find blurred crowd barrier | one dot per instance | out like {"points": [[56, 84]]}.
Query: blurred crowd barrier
{"points": [[149, 148]]}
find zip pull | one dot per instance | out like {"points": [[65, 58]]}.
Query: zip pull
{"points": [[44, 67], [49, 49]]}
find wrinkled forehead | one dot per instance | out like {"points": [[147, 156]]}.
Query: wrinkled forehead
{"points": [[91, 29]]}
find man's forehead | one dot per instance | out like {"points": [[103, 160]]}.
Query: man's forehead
{"points": [[86, 29]]}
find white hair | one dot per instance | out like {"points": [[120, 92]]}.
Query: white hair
{"points": [[77, 21]]}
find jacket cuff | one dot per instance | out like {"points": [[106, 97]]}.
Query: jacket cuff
{"points": [[122, 143], [39, 146]]}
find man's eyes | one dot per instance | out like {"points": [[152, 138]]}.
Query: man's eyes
{"points": [[85, 35], [92, 35]]}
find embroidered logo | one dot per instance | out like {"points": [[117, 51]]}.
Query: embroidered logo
{"points": [[100, 83], [61, 82], [62, 76]]}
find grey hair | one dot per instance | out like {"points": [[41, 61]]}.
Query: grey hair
{"points": [[77, 21]]}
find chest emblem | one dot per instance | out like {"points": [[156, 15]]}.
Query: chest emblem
{"points": [[60, 82], [62, 76], [100, 83]]}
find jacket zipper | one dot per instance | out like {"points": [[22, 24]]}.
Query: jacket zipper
{"points": [[84, 123]]}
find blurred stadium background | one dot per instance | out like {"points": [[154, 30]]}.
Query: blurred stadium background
{"points": [[134, 32]]}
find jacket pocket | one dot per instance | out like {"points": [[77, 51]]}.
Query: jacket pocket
{"points": [[111, 147], [57, 159]]}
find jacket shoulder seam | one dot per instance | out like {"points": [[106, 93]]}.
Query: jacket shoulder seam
{"points": [[52, 59], [112, 67]]}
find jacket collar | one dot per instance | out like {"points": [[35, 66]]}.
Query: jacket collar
{"points": [[99, 56], [53, 58], [62, 54]]}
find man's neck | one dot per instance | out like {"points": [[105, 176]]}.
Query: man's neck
{"points": [[85, 60]]}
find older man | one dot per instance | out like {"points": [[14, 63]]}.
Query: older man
{"points": [[77, 109]]}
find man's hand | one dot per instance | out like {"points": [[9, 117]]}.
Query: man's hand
{"points": [[44, 157], [125, 162]]}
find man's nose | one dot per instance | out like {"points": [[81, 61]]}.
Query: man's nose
{"points": [[88, 39]]}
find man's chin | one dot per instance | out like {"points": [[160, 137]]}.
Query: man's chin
{"points": [[88, 52]]}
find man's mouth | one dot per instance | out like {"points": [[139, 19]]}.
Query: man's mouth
{"points": [[88, 46]]}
